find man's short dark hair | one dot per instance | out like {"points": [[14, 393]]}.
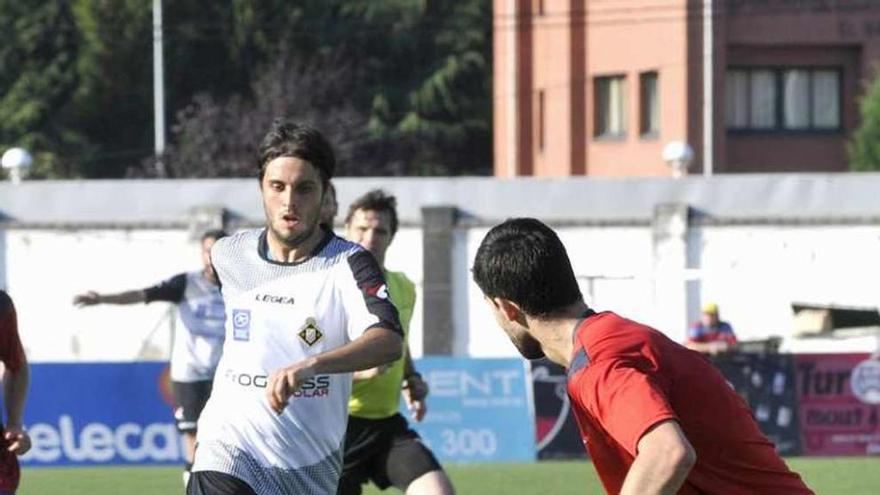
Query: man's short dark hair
{"points": [[215, 234], [292, 139], [376, 200], [523, 260]]}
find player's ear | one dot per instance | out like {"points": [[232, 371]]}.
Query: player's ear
{"points": [[508, 308]]}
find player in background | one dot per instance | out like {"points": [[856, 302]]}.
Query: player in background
{"points": [[656, 417], [379, 444], [198, 339], [711, 335], [14, 440], [306, 309]]}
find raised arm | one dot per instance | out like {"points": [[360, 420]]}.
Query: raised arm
{"points": [[170, 290], [92, 298]]}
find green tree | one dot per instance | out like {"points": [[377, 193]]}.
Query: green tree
{"points": [[411, 76], [37, 57], [402, 87], [864, 148]]}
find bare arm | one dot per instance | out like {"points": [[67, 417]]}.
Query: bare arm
{"points": [[369, 373], [377, 346], [664, 459], [92, 298], [15, 388]]}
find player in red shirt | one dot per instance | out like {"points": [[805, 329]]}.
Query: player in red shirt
{"points": [[14, 440], [656, 417]]}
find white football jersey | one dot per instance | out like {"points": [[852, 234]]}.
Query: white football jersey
{"points": [[277, 315], [199, 324]]}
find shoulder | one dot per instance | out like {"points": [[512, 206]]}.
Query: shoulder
{"points": [[339, 246], [608, 334], [180, 280], [5, 301], [226, 247], [248, 236]]}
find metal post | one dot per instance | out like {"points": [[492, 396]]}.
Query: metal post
{"points": [[158, 88], [708, 90]]}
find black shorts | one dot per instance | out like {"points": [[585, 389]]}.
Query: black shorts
{"points": [[216, 483], [190, 398], [385, 451]]}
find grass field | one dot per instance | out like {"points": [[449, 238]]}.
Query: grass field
{"points": [[844, 476]]}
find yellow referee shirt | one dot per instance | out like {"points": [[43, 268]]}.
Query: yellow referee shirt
{"points": [[378, 397]]}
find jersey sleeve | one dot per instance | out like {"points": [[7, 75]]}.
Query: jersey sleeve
{"points": [[170, 290], [11, 350], [626, 401], [366, 298]]}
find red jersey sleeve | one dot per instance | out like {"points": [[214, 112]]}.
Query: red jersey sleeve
{"points": [[11, 351], [625, 401]]}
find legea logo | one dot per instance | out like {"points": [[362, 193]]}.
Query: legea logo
{"points": [[97, 442]]}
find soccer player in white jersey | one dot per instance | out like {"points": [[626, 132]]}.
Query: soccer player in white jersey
{"points": [[305, 309], [197, 342]]}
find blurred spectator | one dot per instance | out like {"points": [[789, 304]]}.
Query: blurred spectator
{"points": [[710, 335]]}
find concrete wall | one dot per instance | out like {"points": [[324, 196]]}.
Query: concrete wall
{"points": [[754, 272], [653, 250]]}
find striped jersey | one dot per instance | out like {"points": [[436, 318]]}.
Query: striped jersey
{"points": [[279, 314]]}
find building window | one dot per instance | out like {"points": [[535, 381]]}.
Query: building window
{"points": [[610, 105], [783, 99], [649, 107]]}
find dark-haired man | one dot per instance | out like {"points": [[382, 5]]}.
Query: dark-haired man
{"points": [[196, 349], [305, 309], [14, 440], [656, 418], [379, 445]]}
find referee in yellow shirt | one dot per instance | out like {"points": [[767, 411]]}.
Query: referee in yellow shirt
{"points": [[379, 444]]}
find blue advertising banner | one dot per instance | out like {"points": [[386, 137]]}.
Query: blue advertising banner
{"points": [[81, 414], [478, 409], [101, 413]]}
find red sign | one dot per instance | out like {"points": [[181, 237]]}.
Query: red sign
{"points": [[839, 410]]}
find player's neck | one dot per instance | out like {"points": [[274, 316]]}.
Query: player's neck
{"points": [[296, 253], [556, 333]]}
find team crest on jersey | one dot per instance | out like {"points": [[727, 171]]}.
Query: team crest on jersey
{"points": [[310, 333]]}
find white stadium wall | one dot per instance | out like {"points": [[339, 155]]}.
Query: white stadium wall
{"points": [[653, 250], [47, 267]]}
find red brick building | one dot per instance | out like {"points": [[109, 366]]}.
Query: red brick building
{"points": [[599, 87]]}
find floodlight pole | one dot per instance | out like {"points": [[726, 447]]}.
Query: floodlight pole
{"points": [[158, 89], [708, 90]]}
